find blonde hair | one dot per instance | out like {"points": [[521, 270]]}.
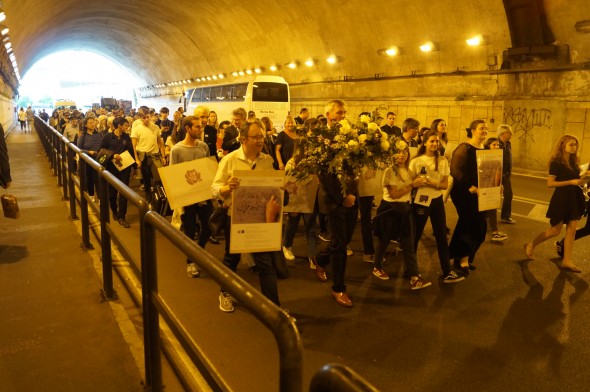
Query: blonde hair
{"points": [[558, 155]]}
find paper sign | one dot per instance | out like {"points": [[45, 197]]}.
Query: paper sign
{"points": [[126, 161], [188, 182], [489, 170]]}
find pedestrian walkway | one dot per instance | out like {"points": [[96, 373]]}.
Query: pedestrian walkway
{"points": [[55, 333]]}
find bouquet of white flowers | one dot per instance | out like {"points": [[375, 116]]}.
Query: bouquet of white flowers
{"points": [[343, 149]]}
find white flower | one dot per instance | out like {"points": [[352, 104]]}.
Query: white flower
{"points": [[401, 145], [345, 127], [384, 144], [353, 144], [373, 127], [362, 138], [365, 119]]}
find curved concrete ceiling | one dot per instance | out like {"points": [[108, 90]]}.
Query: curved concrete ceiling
{"points": [[161, 41]]}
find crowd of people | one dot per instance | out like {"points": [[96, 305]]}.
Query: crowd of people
{"points": [[246, 142]]}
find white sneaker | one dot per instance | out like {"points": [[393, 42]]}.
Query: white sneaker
{"points": [[225, 302], [369, 258], [499, 236], [192, 270], [311, 263], [288, 253]]}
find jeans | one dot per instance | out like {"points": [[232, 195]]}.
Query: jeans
{"points": [[291, 230], [407, 244], [91, 180], [264, 263], [342, 222], [507, 202], [365, 208], [189, 221], [123, 176], [438, 220]]}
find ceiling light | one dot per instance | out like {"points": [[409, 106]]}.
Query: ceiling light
{"points": [[214, 77], [7, 45], [249, 71], [234, 73], [394, 50], [221, 76], [2, 16], [476, 41], [241, 73], [257, 70], [4, 30], [273, 68], [8, 50], [310, 62], [208, 77], [332, 59], [428, 47], [292, 65]]}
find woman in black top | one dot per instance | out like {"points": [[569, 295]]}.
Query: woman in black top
{"points": [[470, 230], [118, 142], [285, 143], [567, 203]]}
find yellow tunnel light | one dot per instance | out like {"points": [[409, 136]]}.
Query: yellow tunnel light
{"points": [[428, 47], [476, 41]]}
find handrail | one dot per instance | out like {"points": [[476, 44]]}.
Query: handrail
{"points": [[281, 325], [335, 377]]}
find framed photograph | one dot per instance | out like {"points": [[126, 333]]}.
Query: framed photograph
{"points": [[257, 211], [489, 179]]}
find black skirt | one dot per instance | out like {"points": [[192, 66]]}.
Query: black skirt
{"points": [[567, 204]]}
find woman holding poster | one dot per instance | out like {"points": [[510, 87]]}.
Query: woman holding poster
{"points": [[567, 203], [470, 230]]}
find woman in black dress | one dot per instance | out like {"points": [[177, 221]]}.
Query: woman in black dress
{"points": [[567, 203], [470, 230]]}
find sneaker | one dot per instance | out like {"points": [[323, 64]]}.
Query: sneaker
{"points": [[499, 236], [509, 220], [452, 277], [124, 223], [324, 237], [192, 271], [288, 253], [559, 248], [311, 263], [380, 273], [349, 251], [419, 283], [368, 258], [225, 302]]}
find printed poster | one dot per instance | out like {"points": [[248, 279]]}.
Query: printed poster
{"points": [[302, 194], [189, 182], [489, 170], [257, 211], [126, 161]]}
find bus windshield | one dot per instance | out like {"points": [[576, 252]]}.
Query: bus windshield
{"points": [[270, 92]]}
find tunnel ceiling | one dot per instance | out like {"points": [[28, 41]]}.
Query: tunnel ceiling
{"points": [[161, 41]]}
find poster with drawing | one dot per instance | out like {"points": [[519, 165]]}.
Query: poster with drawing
{"points": [[257, 211], [370, 182], [489, 179], [302, 194], [189, 182]]}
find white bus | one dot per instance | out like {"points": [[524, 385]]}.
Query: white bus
{"points": [[267, 96]]}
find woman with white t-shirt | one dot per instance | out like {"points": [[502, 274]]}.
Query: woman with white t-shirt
{"points": [[433, 169], [395, 221]]}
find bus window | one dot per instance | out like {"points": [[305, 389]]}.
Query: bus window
{"points": [[239, 93], [226, 91], [205, 94], [270, 92], [196, 96], [189, 94], [216, 94]]}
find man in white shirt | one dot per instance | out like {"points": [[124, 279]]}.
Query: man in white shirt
{"points": [[248, 157], [148, 147]]}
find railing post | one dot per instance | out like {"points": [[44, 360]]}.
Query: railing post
{"points": [[71, 165], [53, 153], [64, 169], [84, 206], [108, 292], [151, 319], [58, 160]]}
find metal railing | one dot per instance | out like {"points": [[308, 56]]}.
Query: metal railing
{"points": [[61, 154]]}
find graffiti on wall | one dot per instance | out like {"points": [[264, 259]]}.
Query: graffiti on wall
{"points": [[523, 120]]}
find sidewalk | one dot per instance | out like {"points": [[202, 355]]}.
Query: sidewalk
{"points": [[56, 335]]}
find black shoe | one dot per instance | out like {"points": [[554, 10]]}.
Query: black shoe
{"points": [[213, 240], [463, 270], [559, 248], [124, 223]]}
